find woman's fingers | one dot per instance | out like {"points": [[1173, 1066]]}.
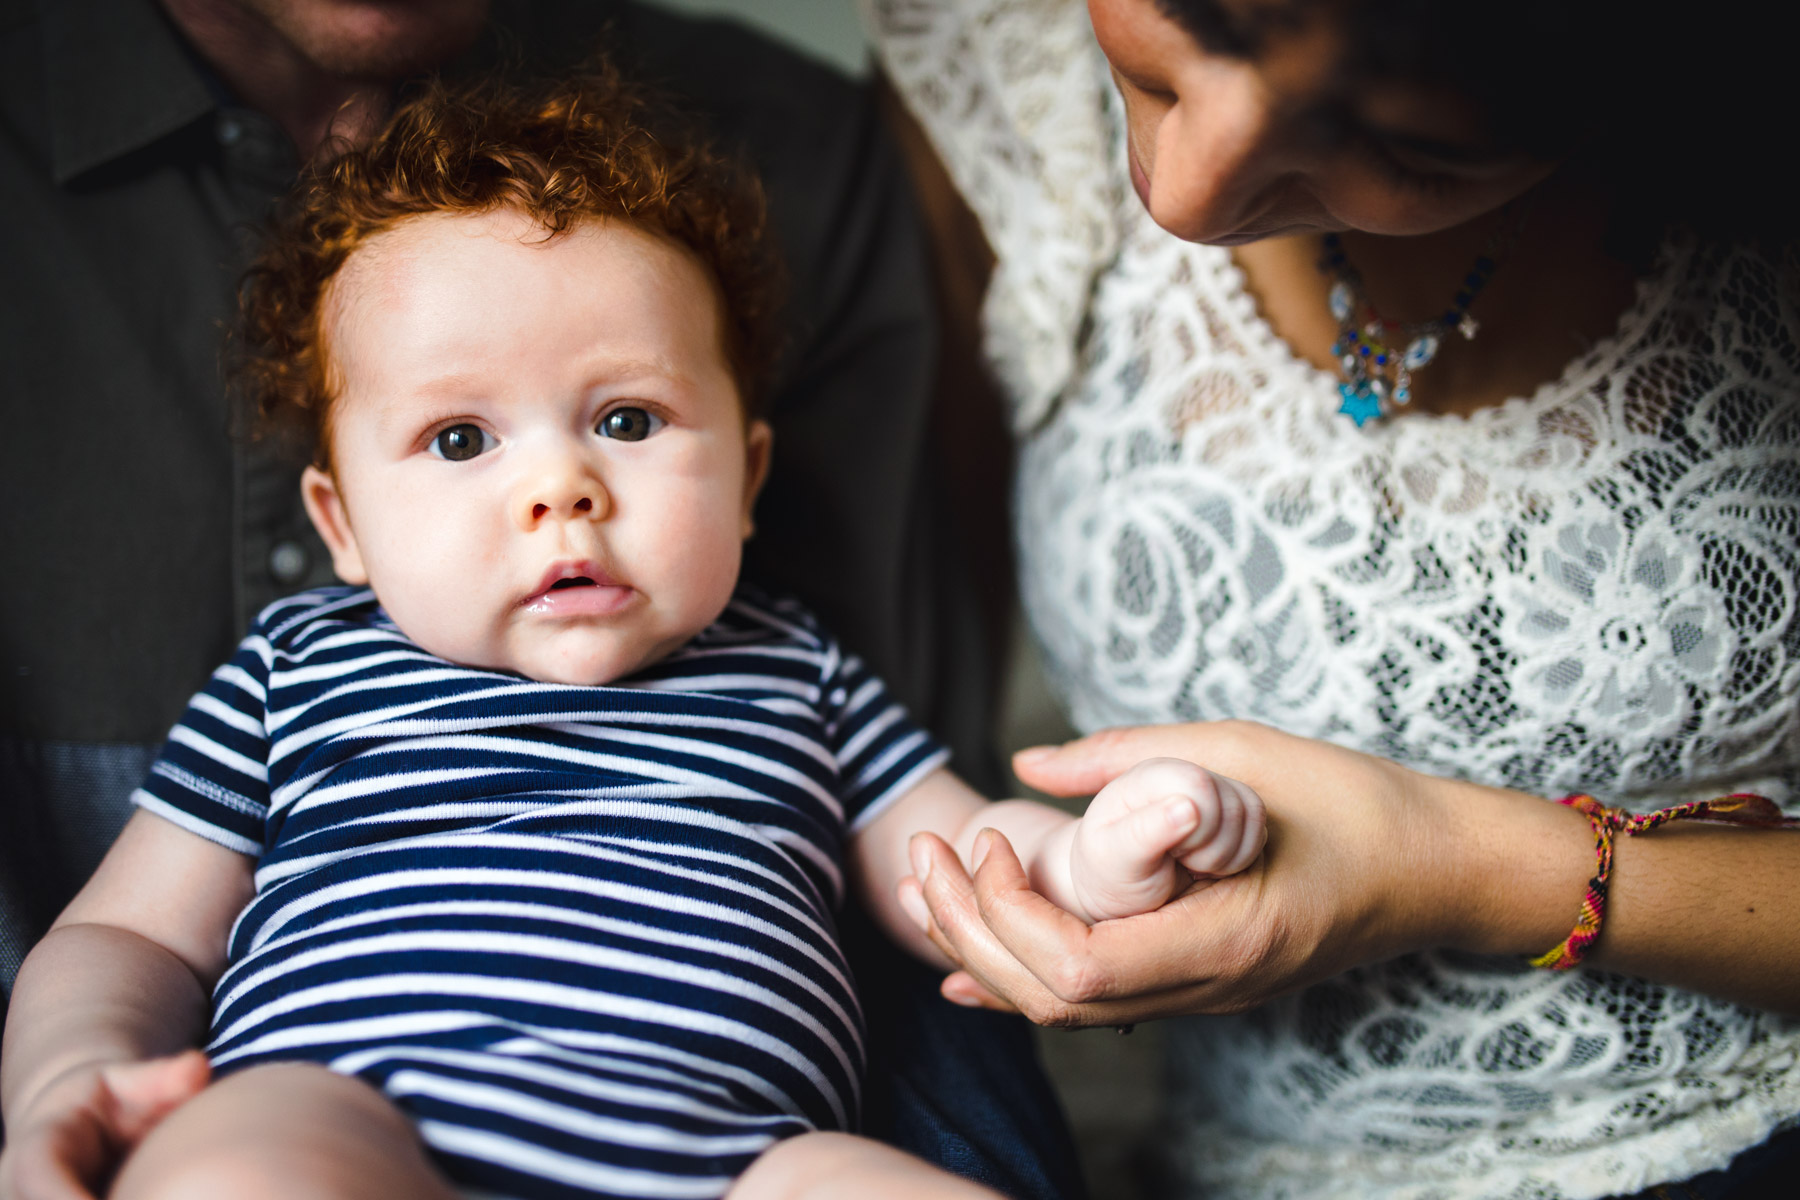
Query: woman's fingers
{"points": [[959, 927], [1052, 966], [1078, 964], [1020, 952], [960, 987], [1087, 764], [1044, 1009]]}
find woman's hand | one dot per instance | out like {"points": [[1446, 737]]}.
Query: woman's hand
{"points": [[66, 1142], [1365, 860]]}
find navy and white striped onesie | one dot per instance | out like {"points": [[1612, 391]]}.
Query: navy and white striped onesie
{"points": [[583, 936]]}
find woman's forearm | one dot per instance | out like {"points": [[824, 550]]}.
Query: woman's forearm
{"points": [[1710, 908], [89, 994], [1716, 910]]}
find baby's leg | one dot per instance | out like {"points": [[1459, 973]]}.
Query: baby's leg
{"points": [[1162, 812], [830, 1166], [284, 1132]]}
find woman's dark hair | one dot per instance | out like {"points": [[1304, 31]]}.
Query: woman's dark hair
{"points": [[1683, 110], [587, 145]]}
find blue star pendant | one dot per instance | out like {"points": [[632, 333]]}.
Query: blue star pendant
{"points": [[1360, 404]]}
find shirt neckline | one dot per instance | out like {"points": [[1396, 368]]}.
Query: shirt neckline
{"points": [[1652, 292]]}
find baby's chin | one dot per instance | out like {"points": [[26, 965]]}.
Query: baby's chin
{"points": [[577, 654], [589, 662], [581, 675], [578, 670]]}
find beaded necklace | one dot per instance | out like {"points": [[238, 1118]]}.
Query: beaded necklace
{"points": [[1377, 356]]}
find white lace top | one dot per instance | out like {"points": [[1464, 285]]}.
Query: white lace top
{"points": [[1593, 588]]}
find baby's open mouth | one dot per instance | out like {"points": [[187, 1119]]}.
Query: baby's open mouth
{"points": [[579, 589]]}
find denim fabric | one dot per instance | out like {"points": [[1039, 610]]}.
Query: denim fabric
{"points": [[959, 1087], [61, 805], [1770, 1171]]}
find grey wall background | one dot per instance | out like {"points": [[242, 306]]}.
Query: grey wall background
{"points": [[827, 29]]}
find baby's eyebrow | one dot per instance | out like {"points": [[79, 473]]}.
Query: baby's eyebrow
{"points": [[451, 386], [604, 367]]}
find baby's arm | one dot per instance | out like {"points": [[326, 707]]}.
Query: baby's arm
{"points": [[1121, 858], [827, 1166], [124, 977]]}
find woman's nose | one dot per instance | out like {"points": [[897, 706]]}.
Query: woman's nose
{"points": [[1217, 161], [561, 490]]}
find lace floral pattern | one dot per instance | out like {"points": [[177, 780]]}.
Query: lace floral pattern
{"points": [[1592, 588]]}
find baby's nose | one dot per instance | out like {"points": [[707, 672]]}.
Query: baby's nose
{"points": [[564, 493], [582, 504]]}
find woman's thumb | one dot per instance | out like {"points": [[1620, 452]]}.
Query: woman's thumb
{"points": [[1081, 767]]}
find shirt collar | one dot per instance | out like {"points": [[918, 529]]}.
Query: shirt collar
{"points": [[118, 78]]}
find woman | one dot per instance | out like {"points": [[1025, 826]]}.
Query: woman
{"points": [[1540, 540]]}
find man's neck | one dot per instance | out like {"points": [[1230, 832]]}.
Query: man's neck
{"points": [[269, 74]]}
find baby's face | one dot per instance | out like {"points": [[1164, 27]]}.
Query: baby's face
{"points": [[541, 462]]}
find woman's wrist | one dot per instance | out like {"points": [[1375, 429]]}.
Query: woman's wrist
{"points": [[1518, 866]]}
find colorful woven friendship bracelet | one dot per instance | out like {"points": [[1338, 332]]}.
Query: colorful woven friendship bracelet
{"points": [[1739, 808]]}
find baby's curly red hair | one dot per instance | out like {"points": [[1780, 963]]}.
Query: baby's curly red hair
{"points": [[563, 150]]}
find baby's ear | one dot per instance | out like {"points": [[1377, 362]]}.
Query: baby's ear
{"points": [[759, 439], [325, 505]]}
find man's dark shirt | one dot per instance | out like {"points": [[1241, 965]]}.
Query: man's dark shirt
{"points": [[143, 530]]}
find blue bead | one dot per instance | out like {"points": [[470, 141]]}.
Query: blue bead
{"points": [[1381, 360], [1462, 299]]}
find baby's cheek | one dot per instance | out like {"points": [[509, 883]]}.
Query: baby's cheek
{"points": [[440, 595], [702, 566]]}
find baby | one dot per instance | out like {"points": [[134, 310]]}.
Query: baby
{"points": [[511, 868]]}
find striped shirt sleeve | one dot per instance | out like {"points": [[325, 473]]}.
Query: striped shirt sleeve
{"points": [[881, 753], [212, 777]]}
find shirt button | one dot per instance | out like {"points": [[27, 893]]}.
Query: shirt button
{"points": [[288, 561]]}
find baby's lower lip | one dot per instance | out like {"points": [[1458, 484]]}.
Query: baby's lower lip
{"points": [[588, 600]]}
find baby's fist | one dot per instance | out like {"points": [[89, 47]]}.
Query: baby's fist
{"points": [[1162, 812]]}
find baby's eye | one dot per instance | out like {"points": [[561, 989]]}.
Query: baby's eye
{"points": [[459, 443], [629, 424]]}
